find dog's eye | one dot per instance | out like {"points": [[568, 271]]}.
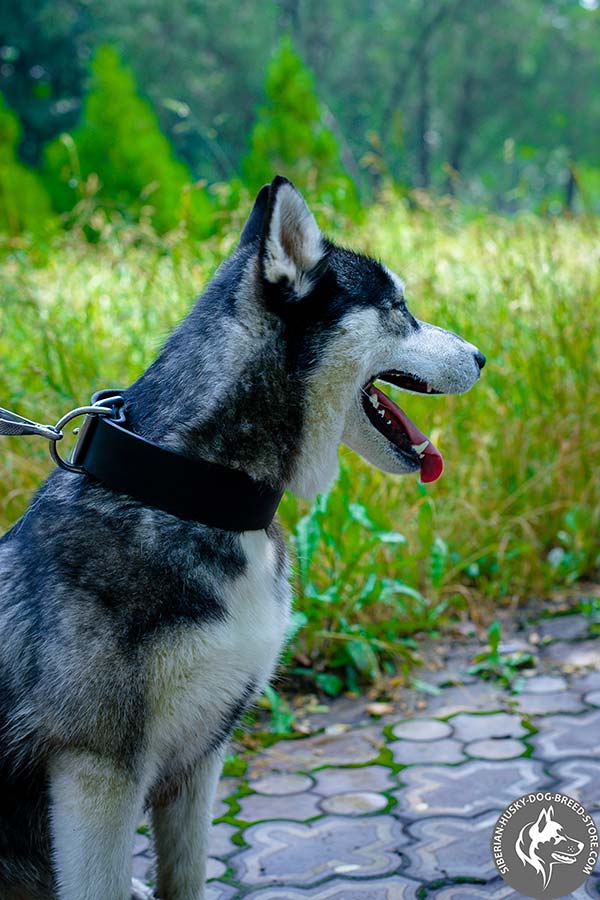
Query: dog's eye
{"points": [[399, 304]]}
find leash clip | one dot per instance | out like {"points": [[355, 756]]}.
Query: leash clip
{"points": [[110, 405]]}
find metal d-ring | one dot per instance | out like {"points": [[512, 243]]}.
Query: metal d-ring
{"points": [[96, 410]]}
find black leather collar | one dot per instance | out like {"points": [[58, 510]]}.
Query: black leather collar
{"points": [[193, 489]]}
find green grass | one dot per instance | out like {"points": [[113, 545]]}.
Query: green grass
{"points": [[517, 510]]}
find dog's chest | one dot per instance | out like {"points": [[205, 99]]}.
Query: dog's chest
{"points": [[200, 674]]}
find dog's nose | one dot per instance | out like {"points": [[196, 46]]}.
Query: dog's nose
{"points": [[480, 359]]}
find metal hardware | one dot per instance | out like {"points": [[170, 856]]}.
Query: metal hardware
{"points": [[100, 408]]}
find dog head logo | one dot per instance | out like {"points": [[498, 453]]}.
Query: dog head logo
{"points": [[544, 844]]}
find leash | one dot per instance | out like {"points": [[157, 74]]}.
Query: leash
{"points": [[194, 489]]}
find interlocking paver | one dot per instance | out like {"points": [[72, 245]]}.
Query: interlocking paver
{"points": [[545, 684], [468, 789], [493, 890], [358, 804], [220, 843], [579, 778], [257, 807], [422, 730], [341, 781], [306, 854], [395, 887], [544, 704], [479, 696], [495, 748], [281, 783], [580, 654], [317, 825], [348, 748], [469, 727], [564, 628], [452, 848], [216, 890], [410, 753], [565, 736]]}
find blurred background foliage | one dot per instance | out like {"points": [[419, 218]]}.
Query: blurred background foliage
{"points": [[454, 139], [496, 104]]}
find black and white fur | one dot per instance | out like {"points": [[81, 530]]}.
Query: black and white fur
{"points": [[132, 641]]}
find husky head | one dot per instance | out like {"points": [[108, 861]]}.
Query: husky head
{"points": [[544, 844], [278, 362]]}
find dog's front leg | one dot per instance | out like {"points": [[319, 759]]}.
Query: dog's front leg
{"points": [[94, 811], [181, 819]]}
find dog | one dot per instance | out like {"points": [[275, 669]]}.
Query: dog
{"points": [[544, 844], [131, 641]]}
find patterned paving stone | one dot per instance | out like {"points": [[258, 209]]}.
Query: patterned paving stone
{"points": [[564, 628], [394, 888], [544, 684], [593, 698], [257, 807], [350, 748], [495, 748], [468, 789], [342, 781], [216, 890], [358, 804], [469, 727], [562, 736], [544, 704], [448, 847], [306, 854], [220, 839], [588, 681], [494, 890], [500, 890], [422, 730], [278, 784], [215, 868], [142, 867], [479, 696], [410, 753], [579, 778], [579, 655]]}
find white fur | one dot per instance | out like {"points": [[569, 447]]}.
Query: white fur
{"points": [[195, 675], [94, 812], [364, 346], [294, 245], [181, 833]]}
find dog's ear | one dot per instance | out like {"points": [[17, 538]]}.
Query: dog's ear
{"points": [[293, 252], [255, 222]]}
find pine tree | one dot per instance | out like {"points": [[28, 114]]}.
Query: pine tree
{"points": [[120, 141], [289, 137], [24, 204]]}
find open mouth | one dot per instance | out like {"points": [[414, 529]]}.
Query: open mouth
{"points": [[563, 857], [393, 423]]}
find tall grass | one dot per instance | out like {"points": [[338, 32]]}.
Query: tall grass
{"points": [[517, 510]]}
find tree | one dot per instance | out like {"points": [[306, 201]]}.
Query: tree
{"points": [[24, 204], [290, 138], [120, 141]]}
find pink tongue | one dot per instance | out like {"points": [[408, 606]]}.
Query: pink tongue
{"points": [[432, 464]]}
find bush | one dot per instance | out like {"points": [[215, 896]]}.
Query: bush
{"points": [[120, 142], [289, 137], [24, 204]]}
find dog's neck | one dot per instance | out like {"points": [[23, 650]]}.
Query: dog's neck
{"points": [[223, 390]]}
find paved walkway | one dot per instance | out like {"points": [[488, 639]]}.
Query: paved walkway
{"points": [[402, 807]]}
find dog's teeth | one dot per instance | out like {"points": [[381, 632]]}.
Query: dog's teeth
{"points": [[374, 400], [382, 413], [420, 448]]}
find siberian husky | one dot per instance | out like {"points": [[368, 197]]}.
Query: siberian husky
{"points": [[131, 640]]}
